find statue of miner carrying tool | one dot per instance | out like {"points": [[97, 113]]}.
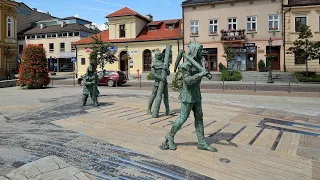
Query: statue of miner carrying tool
{"points": [[192, 72]]}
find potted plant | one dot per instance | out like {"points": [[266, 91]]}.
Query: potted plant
{"points": [[222, 67], [261, 66]]}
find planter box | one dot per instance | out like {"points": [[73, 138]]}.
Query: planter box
{"points": [[8, 83]]}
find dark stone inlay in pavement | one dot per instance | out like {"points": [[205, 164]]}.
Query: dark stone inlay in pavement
{"points": [[289, 124], [163, 119], [276, 142], [235, 134], [213, 134], [18, 164], [123, 111], [186, 126], [256, 136], [137, 112]]}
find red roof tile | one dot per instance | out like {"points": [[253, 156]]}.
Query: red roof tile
{"points": [[145, 35], [126, 12]]}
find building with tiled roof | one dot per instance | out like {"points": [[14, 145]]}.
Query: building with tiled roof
{"points": [[56, 35], [140, 33]]}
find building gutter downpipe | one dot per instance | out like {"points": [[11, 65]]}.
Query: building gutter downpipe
{"points": [[284, 35]]}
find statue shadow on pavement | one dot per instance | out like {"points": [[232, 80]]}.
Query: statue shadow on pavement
{"points": [[219, 138]]}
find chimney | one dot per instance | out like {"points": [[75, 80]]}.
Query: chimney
{"points": [[35, 9], [63, 24], [149, 16], [41, 26], [47, 12]]}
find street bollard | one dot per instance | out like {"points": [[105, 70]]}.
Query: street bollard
{"points": [[74, 82], [116, 82], [255, 86], [223, 85], [289, 87], [51, 81], [140, 81]]}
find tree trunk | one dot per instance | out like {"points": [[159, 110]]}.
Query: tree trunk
{"points": [[307, 73]]}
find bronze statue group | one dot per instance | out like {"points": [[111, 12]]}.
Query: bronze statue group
{"points": [[192, 71]]}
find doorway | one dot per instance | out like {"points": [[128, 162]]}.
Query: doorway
{"points": [[275, 60], [210, 56], [123, 63], [251, 62]]}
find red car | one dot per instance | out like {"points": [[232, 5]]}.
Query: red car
{"points": [[110, 79]]}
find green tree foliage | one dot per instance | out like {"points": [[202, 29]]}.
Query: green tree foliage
{"points": [[101, 53], [229, 53], [33, 69], [304, 48], [177, 81]]}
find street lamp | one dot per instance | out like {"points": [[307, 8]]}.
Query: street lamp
{"points": [[270, 62], [127, 59]]}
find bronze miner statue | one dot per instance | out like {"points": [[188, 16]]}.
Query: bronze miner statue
{"points": [[90, 82], [160, 70], [190, 96]]}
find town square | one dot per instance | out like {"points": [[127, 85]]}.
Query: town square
{"points": [[193, 89]]}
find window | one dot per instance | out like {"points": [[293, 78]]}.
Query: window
{"points": [[169, 26], [65, 34], [20, 49], [52, 35], [122, 31], [33, 36], [299, 59], [60, 35], [62, 47], [153, 28], [83, 61], [274, 22], [21, 37], [51, 47], [232, 23], [76, 34], [70, 34], [252, 23], [28, 37], [213, 26], [43, 36], [194, 25], [38, 36], [10, 27], [299, 21]]}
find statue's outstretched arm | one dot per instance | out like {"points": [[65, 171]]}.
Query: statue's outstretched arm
{"points": [[86, 83]]}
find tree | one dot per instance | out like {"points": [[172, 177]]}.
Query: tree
{"points": [[101, 53], [229, 53], [304, 48], [33, 69]]}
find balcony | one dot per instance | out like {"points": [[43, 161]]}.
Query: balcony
{"points": [[233, 35]]}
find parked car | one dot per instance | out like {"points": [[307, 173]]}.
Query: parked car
{"points": [[110, 79]]}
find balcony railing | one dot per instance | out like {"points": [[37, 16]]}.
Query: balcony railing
{"points": [[233, 35]]}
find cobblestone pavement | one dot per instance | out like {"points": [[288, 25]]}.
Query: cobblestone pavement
{"points": [[219, 86], [27, 134]]}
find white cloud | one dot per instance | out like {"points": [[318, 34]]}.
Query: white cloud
{"points": [[168, 2], [76, 15], [102, 27]]}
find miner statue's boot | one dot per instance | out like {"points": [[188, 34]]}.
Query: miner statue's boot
{"points": [[202, 144], [169, 140], [84, 100]]}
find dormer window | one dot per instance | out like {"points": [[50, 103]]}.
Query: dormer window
{"points": [[122, 31], [170, 26], [153, 28]]}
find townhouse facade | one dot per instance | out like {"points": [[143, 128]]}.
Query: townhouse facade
{"points": [[297, 12], [245, 26], [8, 36], [134, 34], [56, 35]]}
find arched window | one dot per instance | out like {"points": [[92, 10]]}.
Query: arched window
{"points": [[147, 60], [123, 63], [10, 31]]}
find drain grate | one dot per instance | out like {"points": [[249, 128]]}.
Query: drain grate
{"points": [[224, 160]]}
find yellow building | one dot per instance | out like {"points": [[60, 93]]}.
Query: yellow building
{"points": [[140, 34], [8, 36], [245, 25], [298, 12]]}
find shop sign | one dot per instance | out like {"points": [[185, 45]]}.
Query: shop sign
{"points": [[249, 44]]}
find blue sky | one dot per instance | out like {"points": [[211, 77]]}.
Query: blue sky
{"points": [[96, 10]]}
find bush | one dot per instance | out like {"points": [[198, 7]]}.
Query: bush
{"points": [[177, 81], [231, 75], [301, 76], [33, 69], [262, 66], [150, 76], [222, 67]]}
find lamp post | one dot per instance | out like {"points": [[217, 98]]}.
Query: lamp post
{"points": [[270, 62], [6, 52], [127, 54]]}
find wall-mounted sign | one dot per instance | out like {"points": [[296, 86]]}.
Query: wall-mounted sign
{"points": [[113, 48], [134, 51], [249, 44], [131, 62]]}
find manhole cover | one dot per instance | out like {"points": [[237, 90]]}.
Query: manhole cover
{"points": [[224, 160]]}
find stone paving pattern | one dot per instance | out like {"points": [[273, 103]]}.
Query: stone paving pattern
{"points": [[48, 168], [233, 124]]}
